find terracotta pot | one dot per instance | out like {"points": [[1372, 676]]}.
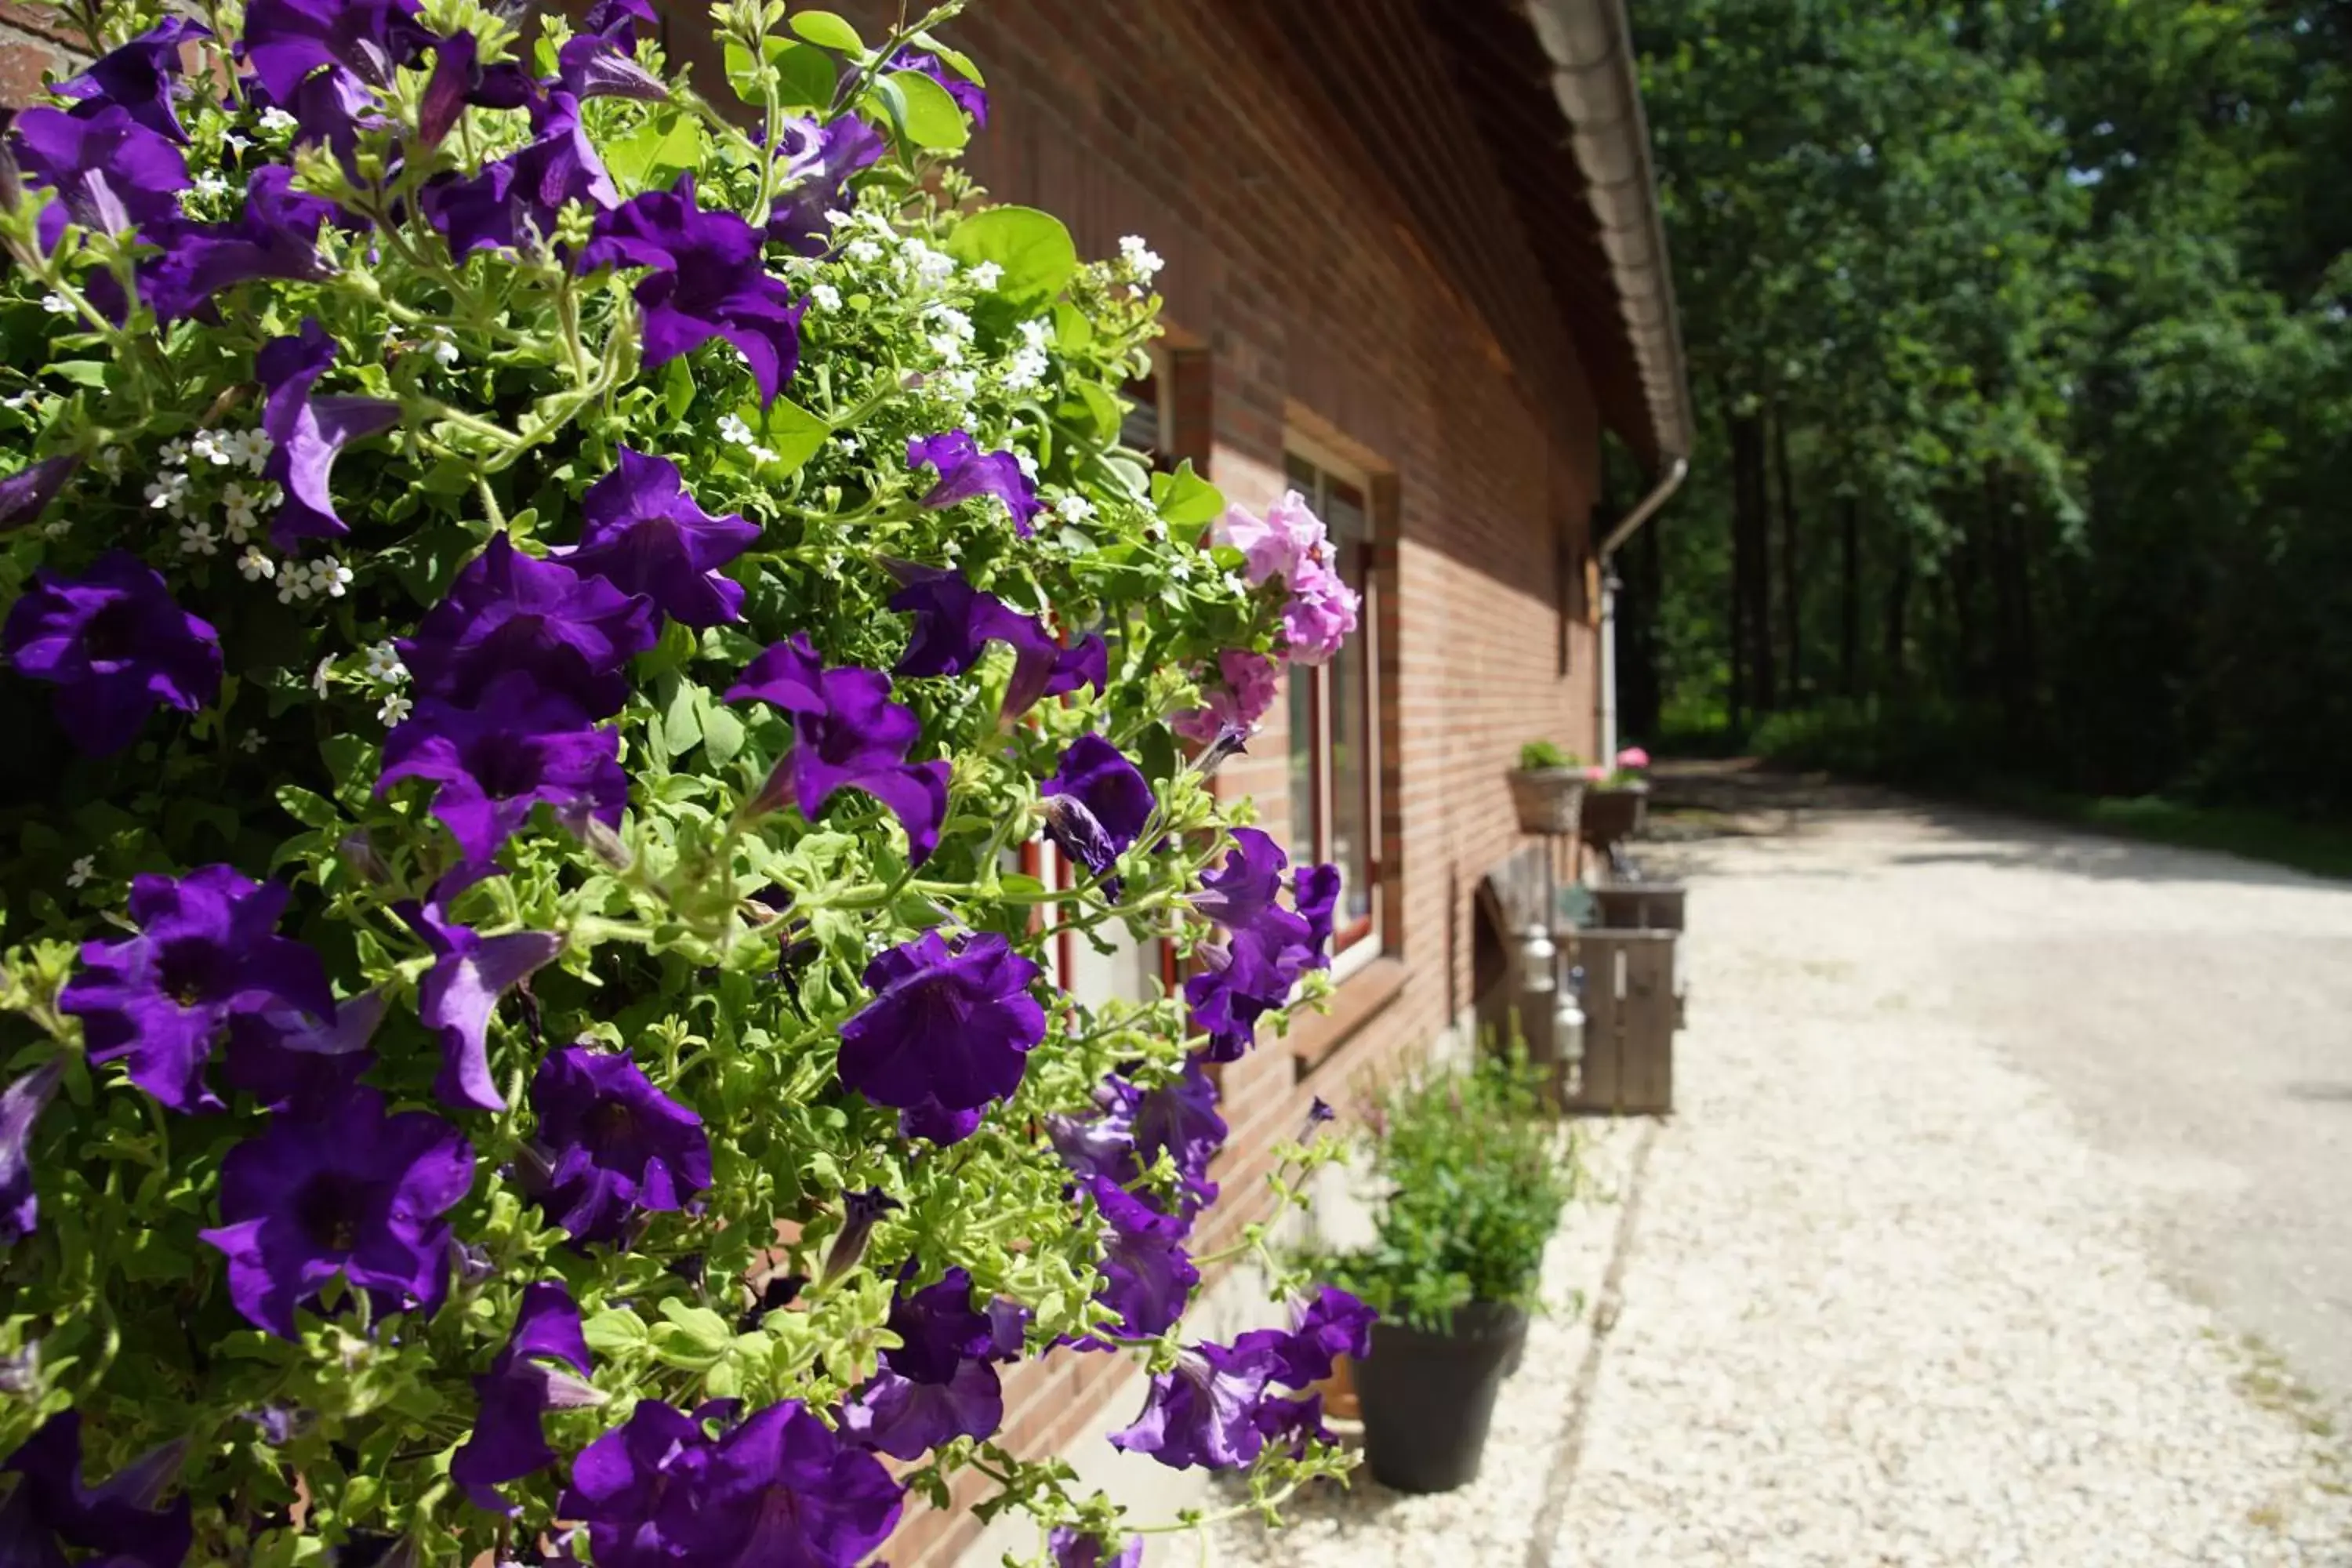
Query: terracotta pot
{"points": [[1547, 799], [1339, 1392]]}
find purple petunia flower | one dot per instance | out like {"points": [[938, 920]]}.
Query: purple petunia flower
{"points": [[819, 157], [206, 952], [1315, 893], [950, 1024], [1148, 1277], [508, 1441], [589, 65], [846, 734], [460, 79], [110, 173], [116, 644], [708, 281], [293, 1060], [50, 1508], [1333, 1324], [1241, 981], [955, 622], [514, 201], [1097, 805], [1290, 1425], [138, 78], [968, 93], [937, 1386], [645, 535], [507, 611], [276, 237], [1072, 1550], [620, 19], [20, 1108], [306, 433], [457, 995], [348, 1191], [490, 763], [1238, 894], [360, 44], [778, 1487], [966, 472], [1205, 1412], [1135, 1127], [28, 492], [614, 1143]]}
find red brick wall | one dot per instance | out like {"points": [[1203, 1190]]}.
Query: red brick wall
{"points": [[1293, 265], [30, 40]]}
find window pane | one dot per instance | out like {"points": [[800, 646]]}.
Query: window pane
{"points": [[1302, 476], [1306, 810], [1140, 429], [1353, 829], [1343, 516]]}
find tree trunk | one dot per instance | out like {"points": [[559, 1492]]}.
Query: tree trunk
{"points": [[1898, 637], [1850, 597], [1791, 585]]}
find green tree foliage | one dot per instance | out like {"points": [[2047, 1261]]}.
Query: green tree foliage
{"points": [[2018, 332]]}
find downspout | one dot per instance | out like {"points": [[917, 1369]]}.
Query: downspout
{"points": [[1643, 512]]}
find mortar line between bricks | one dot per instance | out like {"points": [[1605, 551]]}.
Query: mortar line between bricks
{"points": [[1562, 1480]]}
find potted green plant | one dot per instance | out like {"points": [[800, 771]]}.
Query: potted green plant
{"points": [[1547, 788], [1473, 1183], [1616, 801]]}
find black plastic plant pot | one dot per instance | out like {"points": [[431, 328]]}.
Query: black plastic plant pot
{"points": [[1429, 1398]]}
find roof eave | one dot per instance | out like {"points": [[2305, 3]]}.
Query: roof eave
{"points": [[1594, 81]]}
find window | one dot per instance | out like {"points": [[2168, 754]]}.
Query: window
{"points": [[1335, 738], [1145, 428]]}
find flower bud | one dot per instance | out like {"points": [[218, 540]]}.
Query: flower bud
{"points": [[860, 1212], [358, 853]]}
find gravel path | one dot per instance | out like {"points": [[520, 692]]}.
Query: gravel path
{"points": [[1948, 1255]]}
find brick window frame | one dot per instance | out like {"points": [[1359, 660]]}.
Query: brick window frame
{"points": [[1340, 720]]}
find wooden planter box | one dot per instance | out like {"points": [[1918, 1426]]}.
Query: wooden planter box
{"points": [[1547, 800], [1613, 815], [1632, 1008], [1640, 906]]}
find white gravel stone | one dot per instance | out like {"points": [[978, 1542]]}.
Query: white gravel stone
{"points": [[1885, 1304]]}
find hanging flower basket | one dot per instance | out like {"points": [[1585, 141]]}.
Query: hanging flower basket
{"points": [[1613, 815], [1547, 799]]}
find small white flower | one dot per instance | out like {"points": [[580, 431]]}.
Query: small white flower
{"points": [[1182, 570], [331, 578], [987, 276], [933, 266], [169, 494], [1140, 258], [763, 454], [850, 445], [57, 305], [319, 676], [394, 709], [211, 184], [836, 218], [953, 320], [83, 870], [1233, 584], [1026, 370], [252, 447], [254, 566], [196, 539], [216, 446], [251, 742], [824, 296], [732, 428], [23, 400], [444, 348], [57, 528], [1028, 464], [235, 142], [238, 504], [384, 665], [956, 385], [109, 462], [278, 122], [948, 346], [864, 251], [173, 454], [1038, 335], [1074, 508]]}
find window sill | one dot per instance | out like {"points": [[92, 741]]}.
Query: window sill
{"points": [[1316, 1038]]}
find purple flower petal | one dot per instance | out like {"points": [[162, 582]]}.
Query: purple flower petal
{"points": [[846, 734], [507, 611], [20, 1108], [614, 1143], [139, 77], [508, 1442], [519, 746], [966, 472], [27, 493], [949, 1024], [110, 172], [116, 1520], [307, 433], [645, 535]]}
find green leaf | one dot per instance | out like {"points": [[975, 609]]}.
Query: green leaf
{"points": [[826, 28], [794, 434], [722, 734], [932, 119], [1159, 754], [704, 1328], [678, 387], [1102, 407], [1033, 247], [614, 1331], [805, 76], [1185, 500], [81, 372], [956, 58], [655, 153], [1020, 885], [309, 809], [682, 724]]}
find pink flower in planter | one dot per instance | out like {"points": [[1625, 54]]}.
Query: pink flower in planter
{"points": [[1633, 757], [1596, 772]]}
